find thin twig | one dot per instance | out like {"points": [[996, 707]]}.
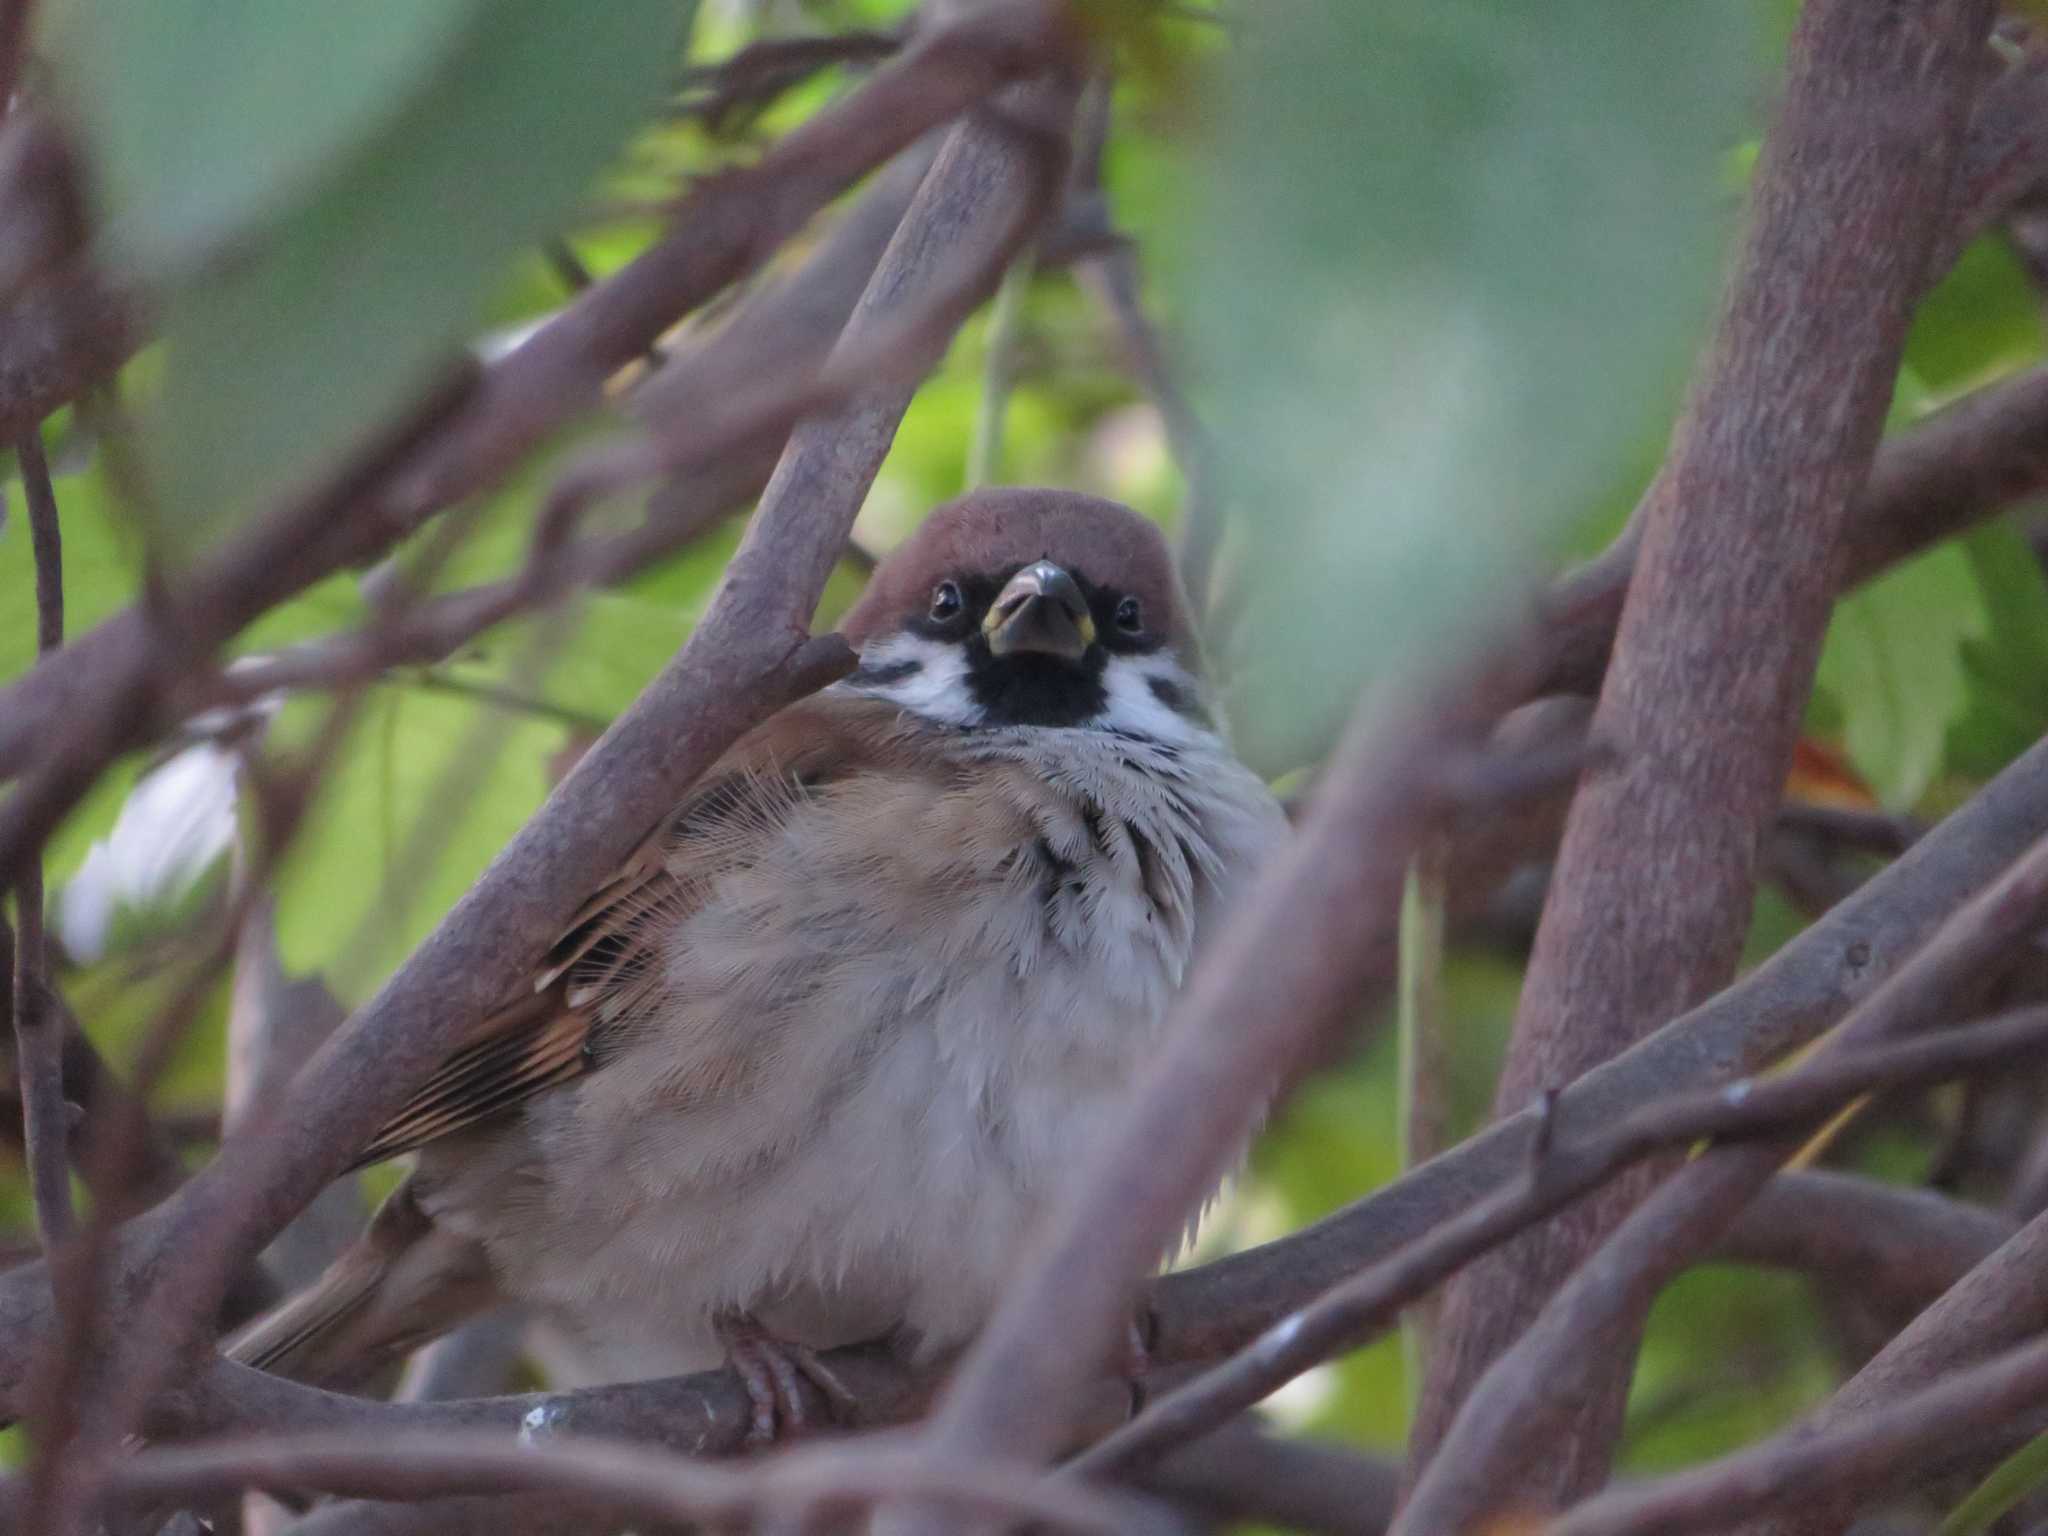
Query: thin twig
{"points": [[190, 1282], [753, 78], [724, 228], [1111, 274], [1978, 1412], [1998, 1305], [1005, 320], [1600, 1309], [1367, 1303], [38, 1032], [501, 696], [778, 392], [75, 1434]]}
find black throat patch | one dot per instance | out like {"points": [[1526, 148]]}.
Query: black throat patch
{"points": [[1033, 689]]}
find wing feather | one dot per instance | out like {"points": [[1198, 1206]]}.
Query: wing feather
{"points": [[600, 970]]}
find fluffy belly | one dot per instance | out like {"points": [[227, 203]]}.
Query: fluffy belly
{"points": [[900, 1212]]}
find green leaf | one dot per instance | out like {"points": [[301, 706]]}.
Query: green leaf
{"points": [[2007, 668], [280, 361], [205, 118], [1451, 260], [1893, 663], [1983, 317], [2020, 1474], [1729, 1355]]}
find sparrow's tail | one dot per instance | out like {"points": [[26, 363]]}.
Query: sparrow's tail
{"points": [[403, 1282]]}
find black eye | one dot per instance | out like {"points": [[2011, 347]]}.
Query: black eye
{"points": [[946, 602], [1129, 618]]}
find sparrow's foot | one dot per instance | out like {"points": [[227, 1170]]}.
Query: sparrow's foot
{"points": [[775, 1371]]}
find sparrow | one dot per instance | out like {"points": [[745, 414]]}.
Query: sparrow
{"points": [[807, 1069]]}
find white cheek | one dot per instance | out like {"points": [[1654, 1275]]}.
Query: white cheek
{"points": [[1134, 707], [938, 688]]}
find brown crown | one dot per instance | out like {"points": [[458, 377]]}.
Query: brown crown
{"points": [[994, 532]]}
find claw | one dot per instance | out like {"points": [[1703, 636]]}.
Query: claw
{"points": [[775, 1371]]}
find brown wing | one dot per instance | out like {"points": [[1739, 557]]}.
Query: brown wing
{"points": [[602, 965]]}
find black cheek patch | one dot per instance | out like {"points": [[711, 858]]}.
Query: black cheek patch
{"points": [[888, 672], [1181, 701]]}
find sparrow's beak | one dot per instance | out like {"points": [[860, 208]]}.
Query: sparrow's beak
{"points": [[1042, 610]]}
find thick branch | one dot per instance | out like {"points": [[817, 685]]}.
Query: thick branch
{"points": [[1721, 627]]}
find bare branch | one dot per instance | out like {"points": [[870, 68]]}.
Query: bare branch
{"points": [[752, 78], [1980, 1412], [1889, 1244], [635, 1479], [724, 228], [1517, 1406], [1370, 1301], [1848, 1232], [1241, 1476], [1999, 1305], [1722, 624]]}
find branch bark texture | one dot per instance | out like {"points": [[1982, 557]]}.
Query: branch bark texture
{"points": [[1718, 637]]}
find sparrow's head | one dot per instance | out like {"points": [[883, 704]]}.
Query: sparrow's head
{"points": [[1032, 607]]}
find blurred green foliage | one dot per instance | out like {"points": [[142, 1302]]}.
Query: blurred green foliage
{"points": [[1437, 268]]}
